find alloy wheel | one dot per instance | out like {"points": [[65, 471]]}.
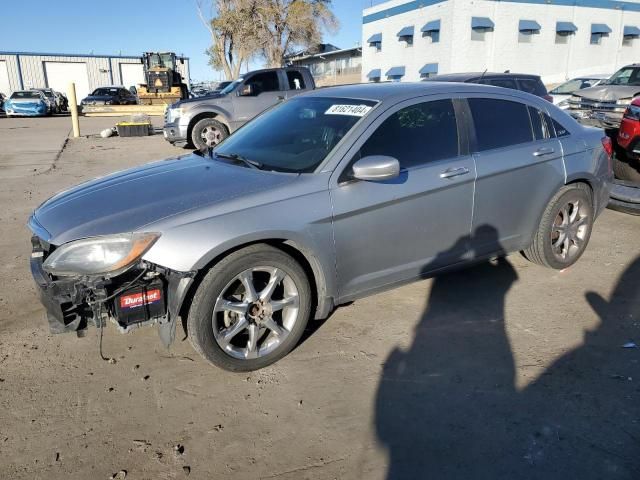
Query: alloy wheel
{"points": [[255, 312], [569, 230]]}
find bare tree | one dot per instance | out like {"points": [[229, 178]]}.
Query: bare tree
{"points": [[286, 24], [240, 29], [234, 37]]}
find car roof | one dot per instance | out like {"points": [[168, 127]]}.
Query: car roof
{"points": [[466, 77], [399, 91]]}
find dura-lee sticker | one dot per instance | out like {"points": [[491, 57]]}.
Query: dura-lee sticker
{"points": [[352, 110]]}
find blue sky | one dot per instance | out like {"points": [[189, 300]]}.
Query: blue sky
{"points": [[131, 27]]}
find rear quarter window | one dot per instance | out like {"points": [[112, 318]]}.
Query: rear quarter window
{"points": [[500, 82], [500, 123]]}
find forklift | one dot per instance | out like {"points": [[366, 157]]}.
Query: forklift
{"points": [[164, 83]]}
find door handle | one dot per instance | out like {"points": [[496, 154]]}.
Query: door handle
{"points": [[454, 172], [543, 151]]}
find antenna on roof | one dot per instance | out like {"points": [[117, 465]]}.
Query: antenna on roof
{"points": [[482, 76]]}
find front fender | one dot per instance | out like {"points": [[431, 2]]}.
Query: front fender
{"points": [[219, 111]]}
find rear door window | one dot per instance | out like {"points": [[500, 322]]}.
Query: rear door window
{"points": [[541, 124], [416, 135], [533, 86], [295, 80], [500, 123]]}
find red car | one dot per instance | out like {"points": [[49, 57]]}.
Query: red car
{"points": [[625, 195], [629, 133]]}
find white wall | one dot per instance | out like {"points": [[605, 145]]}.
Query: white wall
{"points": [[501, 51]]}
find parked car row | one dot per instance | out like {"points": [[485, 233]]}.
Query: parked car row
{"points": [[34, 102]]}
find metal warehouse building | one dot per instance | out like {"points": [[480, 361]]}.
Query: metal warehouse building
{"points": [[557, 39], [24, 70]]}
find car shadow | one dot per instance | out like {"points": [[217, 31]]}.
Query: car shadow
{"points": [[448, 407]]}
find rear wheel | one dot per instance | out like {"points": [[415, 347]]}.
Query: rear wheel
{"points": [[565, 228], [250, 309], [208, 132]]}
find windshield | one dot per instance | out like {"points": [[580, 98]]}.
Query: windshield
{"points": [[35, 95], [297, 135], [232, 86], [162, 60], [626, 76], [105, 92], [574, 85]]}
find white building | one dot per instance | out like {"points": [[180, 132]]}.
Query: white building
{"points": [[25, 70], [556, 39]]}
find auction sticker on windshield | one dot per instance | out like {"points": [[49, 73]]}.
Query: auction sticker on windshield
{"points": [[353, 110]]}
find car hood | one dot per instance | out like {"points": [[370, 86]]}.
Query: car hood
{"points": [[129, 200], [608, 92]]}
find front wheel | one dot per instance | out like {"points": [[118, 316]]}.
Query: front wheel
{"points": [[565, 228], [250, 309], [208, 132]]}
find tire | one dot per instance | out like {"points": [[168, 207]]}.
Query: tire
{"points": [[626, 169], [211, 128], [547, 248], [208, 322]]}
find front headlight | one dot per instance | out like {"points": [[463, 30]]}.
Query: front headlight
{"points": [[105, 256], [174, 114], [564, 103], [625, 101]]}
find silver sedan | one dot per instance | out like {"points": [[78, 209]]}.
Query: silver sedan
{"points": [[326, 198]]}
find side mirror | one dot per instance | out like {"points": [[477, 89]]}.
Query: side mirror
{"points": [[247, 90], [376, 168]]}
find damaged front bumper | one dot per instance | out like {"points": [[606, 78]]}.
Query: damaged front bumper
{"points": [[145, 294]]}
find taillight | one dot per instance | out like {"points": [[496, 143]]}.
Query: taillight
{"points": [[548, 97], [607, 144]]}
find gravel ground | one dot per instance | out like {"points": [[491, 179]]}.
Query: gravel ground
{"points": [[504, 370]]}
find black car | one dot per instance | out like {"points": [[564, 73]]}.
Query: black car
{"points": [[516, 81], [2, 99], [110, 96]]}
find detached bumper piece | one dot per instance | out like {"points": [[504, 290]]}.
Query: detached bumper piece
{"points": [[144, 295]]}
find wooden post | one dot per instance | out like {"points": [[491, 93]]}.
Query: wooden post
{"points": [[73, 105]]}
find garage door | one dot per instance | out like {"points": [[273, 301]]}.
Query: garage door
{"points": [[60, 74], [131, 74], [4, 78]]}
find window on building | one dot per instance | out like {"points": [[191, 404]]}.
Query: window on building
{"points": [[562, 38], [627, 40], [596, 38], [525, 36], [295, 80], [416, 135], [500, 123], [478, 35]]}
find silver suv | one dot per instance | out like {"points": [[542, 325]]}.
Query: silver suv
{"points": [[329, 197]]}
